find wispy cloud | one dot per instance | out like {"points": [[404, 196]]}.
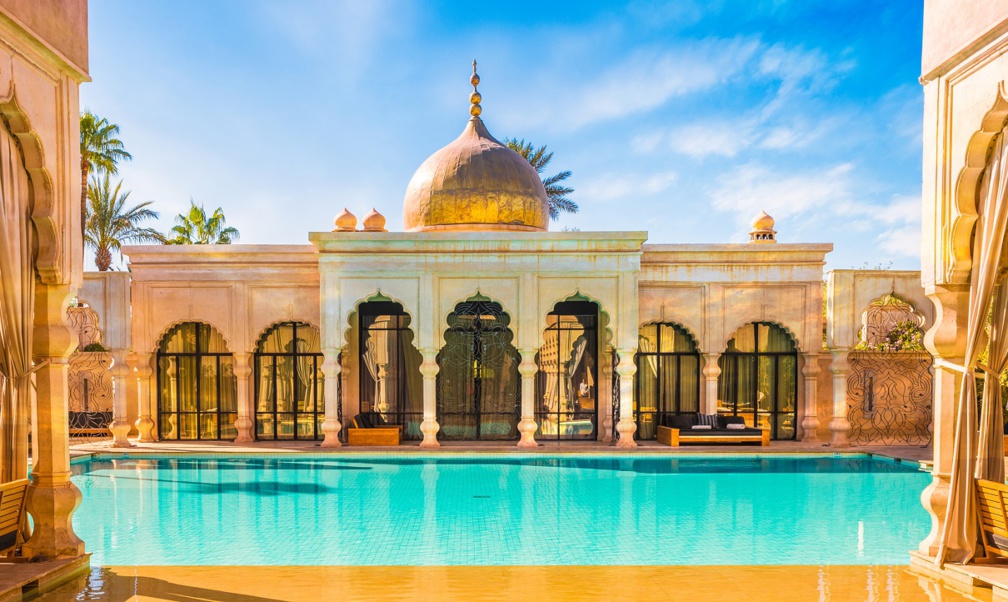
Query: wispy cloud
{"points": [[645, 80], [626, 187]]}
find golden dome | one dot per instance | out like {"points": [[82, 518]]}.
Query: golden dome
{"points": [[763, 221], [475, 184], [345, 221], [374, 221]]}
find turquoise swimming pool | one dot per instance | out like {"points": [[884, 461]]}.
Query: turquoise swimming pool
{"points": [[453, 509]]}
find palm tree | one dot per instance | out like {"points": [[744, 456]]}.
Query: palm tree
{"points": [[100, 149], [555, 191], [195, 228], [108, 223]]}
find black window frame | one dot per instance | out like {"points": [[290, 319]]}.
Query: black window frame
{"points": [[317, 384], [661, 357]]}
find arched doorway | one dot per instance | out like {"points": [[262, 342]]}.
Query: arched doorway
{"points": [[759, 379], [668, 376], [478, 385], [390, 379], [289, 385], [196, 386], [567, 384]]}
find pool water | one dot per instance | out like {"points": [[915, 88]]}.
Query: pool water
{"points": [[453, 509]]}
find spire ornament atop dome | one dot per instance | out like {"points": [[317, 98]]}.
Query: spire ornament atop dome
{"points": [[763, 229], [475, 110]]}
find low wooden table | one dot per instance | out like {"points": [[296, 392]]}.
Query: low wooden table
{"points": [[379, 435], [670, 436]]}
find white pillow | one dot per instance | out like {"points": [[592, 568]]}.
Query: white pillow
{"points": [[736, 427], [701, 427]]}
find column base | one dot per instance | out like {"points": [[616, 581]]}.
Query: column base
{"points": [[626, 429], [810, 426], [51, 508], [331, 428], [120, 433], [243, 425], [145, 426], [839, 427], [527, 427], [429, 427]]}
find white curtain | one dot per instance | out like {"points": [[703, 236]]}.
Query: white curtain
{"points": [[17, 292], [958, 542]]}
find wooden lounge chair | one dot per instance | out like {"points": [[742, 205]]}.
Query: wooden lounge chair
{"points": [[676, 430], [370, 428], [12, 504], [990, 496]]}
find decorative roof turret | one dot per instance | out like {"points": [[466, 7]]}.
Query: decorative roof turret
{"points": [[763, 229]]}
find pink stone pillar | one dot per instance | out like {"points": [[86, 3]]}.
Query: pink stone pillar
{"points": [[945, 340], [52, 497], [429, 427], [626, 369], [121, 373], [145, 399], [527, 426], [711, 373], [331, 426], [243, 422], [810, 419], [839, 425]]}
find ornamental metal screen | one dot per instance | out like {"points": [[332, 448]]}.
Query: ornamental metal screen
{"points": [[478, 384], [889, 387]]}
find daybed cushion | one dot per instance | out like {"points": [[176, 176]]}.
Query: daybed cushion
{"points": [[369, 420]]}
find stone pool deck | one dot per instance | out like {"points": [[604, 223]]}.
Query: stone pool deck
{"points": [[915, 453], [509, 583]]}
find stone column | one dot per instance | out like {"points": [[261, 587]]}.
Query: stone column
{"points": [[429, 427], [607, 380], [145, 386], [132, 402], [626, 369], [244, 423], [945, 340], [121, 374], [839, 425], [52, 497], [331, 425], [527, 426], [810, 419], [711, 373]]}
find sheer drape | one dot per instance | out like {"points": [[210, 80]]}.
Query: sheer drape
{"points": [[958, 541], [17, 292]]}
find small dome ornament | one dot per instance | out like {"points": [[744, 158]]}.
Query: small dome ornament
{"points": [[345, 221], [374, 222], [763, 229]]}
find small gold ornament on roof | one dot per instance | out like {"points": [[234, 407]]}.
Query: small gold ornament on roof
{"points": [[475, 110]]}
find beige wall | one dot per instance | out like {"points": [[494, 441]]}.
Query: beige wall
{"points": [[953, 28], [62, 24]]}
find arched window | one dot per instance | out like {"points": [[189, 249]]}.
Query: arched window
{"points": [[478, 386], [567, 383], [289, 383], [668, 376], [390, 379], [759, 379], [197, 389]]}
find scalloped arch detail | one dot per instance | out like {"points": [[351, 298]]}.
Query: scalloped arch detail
{"points": [[960, 251], [684, 328], [781, 325], [47, 261], [378, 295], [265, 331], [164, 332], [443, 326], [579, 295]]}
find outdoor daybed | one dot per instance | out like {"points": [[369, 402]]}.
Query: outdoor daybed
{"points": [[675, 430], [370, 428]]}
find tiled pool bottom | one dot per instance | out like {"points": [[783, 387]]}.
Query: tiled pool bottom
{"points": [[475, 584], [445, 510]]}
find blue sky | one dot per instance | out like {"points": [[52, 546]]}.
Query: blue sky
{"points": [[680, 118]]}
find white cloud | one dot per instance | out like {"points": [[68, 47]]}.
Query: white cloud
{"points": [[642, 82], [625, 187]]}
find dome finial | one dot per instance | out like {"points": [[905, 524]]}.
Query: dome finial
{"points": [[475, 97]]}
